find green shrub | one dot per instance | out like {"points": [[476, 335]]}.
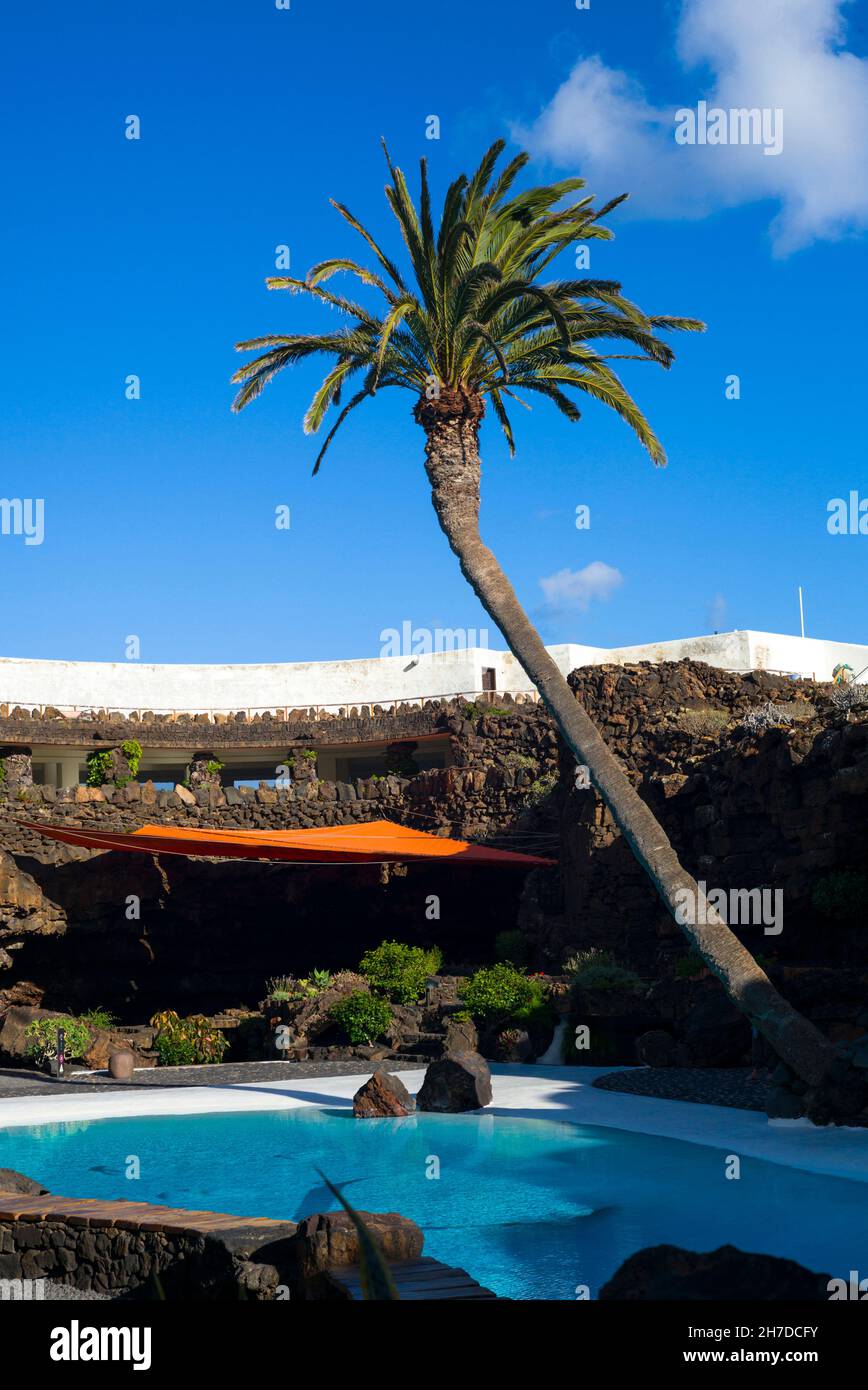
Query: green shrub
{"points": [[281, 987], [537, 1013], [132, 751], [98, 1018], [299, 756], [399, 971], [287, 987], [311, 985], [579, 960], [841, 895], [702, 723], [498, 993], [99, 764], [98, 768], [186, 1041], [688, 967], [41, 1036], [598, 970], [519, 762], [176, 1049], [363, 1017], [511, 946], [605, 977], [479, 708], [541, 788]]}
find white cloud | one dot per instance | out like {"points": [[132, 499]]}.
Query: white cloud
{"points": [[572, 591], [777, 54]]}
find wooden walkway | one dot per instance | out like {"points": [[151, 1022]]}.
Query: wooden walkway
{"points": [[416, 1280]]}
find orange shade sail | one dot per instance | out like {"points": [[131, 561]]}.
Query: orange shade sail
{"points": [[371, 842]]}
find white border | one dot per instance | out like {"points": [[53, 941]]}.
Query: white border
{"points": [[521, 1092]]}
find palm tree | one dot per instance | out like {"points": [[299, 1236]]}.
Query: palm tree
{"points": [[476, 322]]}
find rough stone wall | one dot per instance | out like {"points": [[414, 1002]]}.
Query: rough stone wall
{"points": [[99, 1260], [207, 935], [781, 809], [499, 759], [354, 724], [151, 1251], [778, 809]]}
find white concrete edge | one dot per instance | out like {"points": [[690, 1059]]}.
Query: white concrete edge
{"points": [[545, 1093]]}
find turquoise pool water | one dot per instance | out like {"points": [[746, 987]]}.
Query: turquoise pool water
{"points": [[532, 1208]]}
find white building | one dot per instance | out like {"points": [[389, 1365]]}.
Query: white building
{"points": [[127, 686]]}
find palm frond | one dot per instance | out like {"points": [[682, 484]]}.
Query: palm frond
{"points": [[473, 310]]}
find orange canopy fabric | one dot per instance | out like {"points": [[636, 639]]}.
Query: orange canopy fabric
{"points": [[371, 842]]}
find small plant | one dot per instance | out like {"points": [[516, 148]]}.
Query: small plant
{"points": [[508, 1038], [541, 788], [2, 770], [841, 895], [299, 756], [499, 993], [363, 1016], [598, 970], [213, 766], [186, 1041], [511, 946], [476, 710], [767, 716], [281, 987], [309, 986], [399, 971], [607, 977], [132, 751], [98, 1018], [99, 766], [689, 967], [849, 696], [519, 762], [579, 960], [41, 1038], [702, 723]]}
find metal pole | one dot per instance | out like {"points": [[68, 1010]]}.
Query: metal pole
{"points": [[801, 611]]}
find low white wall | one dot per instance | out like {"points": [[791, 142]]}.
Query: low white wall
{"points": [[730, 650], [806, 655], [132, 685]]}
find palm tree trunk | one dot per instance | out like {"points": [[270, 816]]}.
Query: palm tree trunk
{"points": [[451, 423]]}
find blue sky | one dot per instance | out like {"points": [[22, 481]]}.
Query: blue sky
{"points": [[148, 257]]}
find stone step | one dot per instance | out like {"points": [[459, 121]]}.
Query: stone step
{"points": [[417, 1280]]}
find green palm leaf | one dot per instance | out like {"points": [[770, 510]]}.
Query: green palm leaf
{"points": [[376, 1277], [472, 312]]}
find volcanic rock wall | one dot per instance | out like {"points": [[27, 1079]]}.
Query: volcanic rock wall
{"points": [[784, 808], [80, 928]]}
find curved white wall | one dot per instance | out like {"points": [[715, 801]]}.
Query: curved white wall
{"points": [[132, 685]]}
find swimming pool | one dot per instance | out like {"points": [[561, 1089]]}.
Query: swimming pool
{"points": [[532, 1208]]}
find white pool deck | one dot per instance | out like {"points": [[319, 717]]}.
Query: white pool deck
{"points": [[521, 1092]]}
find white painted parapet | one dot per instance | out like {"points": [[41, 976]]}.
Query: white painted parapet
{"points": [[73, 686]]}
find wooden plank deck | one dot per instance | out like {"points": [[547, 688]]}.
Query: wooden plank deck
{"points": [[417, 1280]]}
